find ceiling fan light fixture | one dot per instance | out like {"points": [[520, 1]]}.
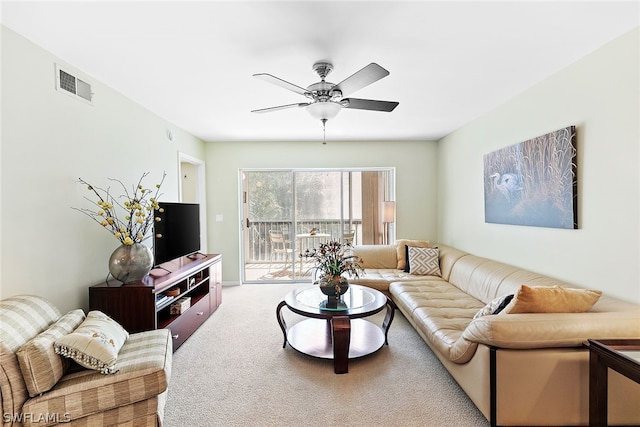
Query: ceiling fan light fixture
{"points": [[326, 98], [323, 110]]}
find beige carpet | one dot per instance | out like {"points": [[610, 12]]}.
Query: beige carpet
{"points": [[234, 372]]}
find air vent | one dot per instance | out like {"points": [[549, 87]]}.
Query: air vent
{"points": [[72, 85]]}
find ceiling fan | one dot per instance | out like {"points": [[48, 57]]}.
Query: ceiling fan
{"points": [[327, 99]]}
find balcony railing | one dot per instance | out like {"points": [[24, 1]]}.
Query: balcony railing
{"points": [[258, 247]]}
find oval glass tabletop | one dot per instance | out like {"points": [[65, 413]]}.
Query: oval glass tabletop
{"points": [[356, 297]]}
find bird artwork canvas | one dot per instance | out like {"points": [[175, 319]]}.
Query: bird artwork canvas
{"points": [[533, 182]]}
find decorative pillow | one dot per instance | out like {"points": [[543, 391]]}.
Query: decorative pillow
{"points": [[407, 265], [503, 304], [552, 299], [41, 367], [495, 306], [402, 251], [424, 261], [95, 343]]}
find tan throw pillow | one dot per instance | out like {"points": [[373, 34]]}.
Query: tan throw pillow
{"points": [[95, 344], [552, 299], [424, 261], [41, 367], [402, 251]]}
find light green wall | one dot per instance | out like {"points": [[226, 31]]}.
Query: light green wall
{"points": [[600, 94], [49, 139], [415, 164]]}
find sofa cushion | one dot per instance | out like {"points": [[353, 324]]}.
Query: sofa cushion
{"points": [[376, 256], [440, 312], [423, 261], [144, 370], [41, 367], [380, 278], [554, 299], [95, 343], [401, 251], [486, 279], [448, 258]]}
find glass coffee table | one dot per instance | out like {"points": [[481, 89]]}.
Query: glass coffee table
{"points": [[336, 331]]}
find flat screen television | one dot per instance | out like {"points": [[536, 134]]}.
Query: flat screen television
{"points": [[177, 234]]}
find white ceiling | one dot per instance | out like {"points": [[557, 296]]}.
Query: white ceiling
{"points": [[192, 62]]}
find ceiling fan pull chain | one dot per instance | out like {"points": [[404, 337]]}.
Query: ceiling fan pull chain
{"points": [[324, 131]]}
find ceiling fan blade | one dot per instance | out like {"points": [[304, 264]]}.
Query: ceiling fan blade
{"points": [[369, 74], [369, 104], [280, 107], [282, 83]]}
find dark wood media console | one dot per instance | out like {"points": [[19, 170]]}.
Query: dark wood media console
{"points": [[136, 306]]}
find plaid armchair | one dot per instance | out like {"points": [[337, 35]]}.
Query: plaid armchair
{"points": [[40, 387]]}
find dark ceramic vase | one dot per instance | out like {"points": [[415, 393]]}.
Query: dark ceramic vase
{"points": [[333, 288]]}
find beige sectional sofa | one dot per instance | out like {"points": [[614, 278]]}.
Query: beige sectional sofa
{"points": [[39, 387], [519, 369]]}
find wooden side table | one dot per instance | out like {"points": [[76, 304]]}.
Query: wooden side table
{"points": [[621, 355]]}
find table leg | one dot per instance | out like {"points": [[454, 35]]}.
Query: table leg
{"points": [[388, 318], [598, 393], [341, 331], [281, 322]]}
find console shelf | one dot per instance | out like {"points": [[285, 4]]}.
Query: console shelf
{"points": [[140, 306]]}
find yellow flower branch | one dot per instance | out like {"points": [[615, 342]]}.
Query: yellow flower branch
{"points": [[133, 224]]}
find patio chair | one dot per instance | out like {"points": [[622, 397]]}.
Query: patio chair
{"points": [[279, 245], [348, 236]]}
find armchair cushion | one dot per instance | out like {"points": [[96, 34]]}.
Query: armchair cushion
{"points": [[23, 317], [41, 367]]}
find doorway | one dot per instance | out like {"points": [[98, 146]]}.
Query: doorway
{"points": [[191, 189], [287, 211]]}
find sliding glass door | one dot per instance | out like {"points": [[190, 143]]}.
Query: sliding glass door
{"points": [[286, 212]]}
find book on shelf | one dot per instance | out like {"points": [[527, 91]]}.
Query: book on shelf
{"points": [[161, 299]]}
